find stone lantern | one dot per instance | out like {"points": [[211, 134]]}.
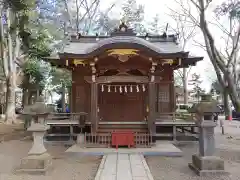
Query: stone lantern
{"points": [[205, 162], [38, 160]]}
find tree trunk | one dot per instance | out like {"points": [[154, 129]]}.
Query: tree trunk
{"points": [[226, 103], [217, 61], [232, 91], [185, 90], [11, 77], [25, 97], [10, 117]]}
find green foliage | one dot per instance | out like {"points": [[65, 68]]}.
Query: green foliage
{"points": [[39, 45], [216, 86], [59, 78], [20, 5], [196, 82], [229, 8], [36, 72]]}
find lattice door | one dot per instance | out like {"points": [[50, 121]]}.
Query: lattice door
{"points": [[164, 98]]}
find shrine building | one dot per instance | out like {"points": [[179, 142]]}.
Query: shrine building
{"points": [[123, 81]]}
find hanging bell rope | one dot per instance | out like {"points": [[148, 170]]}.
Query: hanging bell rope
{"points": [[109, 89], [143, 88], [120, 89], [131, 89], [125, 88]]}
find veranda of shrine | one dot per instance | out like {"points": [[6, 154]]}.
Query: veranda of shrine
{"points": [[123, 82]]}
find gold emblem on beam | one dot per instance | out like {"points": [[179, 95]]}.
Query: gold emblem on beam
{"points": [[167, 61], [79, 62], [127, 52]]}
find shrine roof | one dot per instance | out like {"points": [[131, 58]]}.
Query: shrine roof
{"points": [[87, 45]]}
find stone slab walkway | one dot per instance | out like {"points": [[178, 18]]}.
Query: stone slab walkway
{"points": [[123, 166]]}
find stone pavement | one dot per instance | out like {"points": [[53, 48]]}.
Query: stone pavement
{"points": [[162, 148], [123, 167]]}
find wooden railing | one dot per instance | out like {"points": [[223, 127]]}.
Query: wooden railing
{"points": [[97, 140], [81, 117], [173, 116], [143, 140], [105, 140]]}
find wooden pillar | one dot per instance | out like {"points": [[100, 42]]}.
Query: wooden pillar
{"points": [[94, 99], [63, 98], [70, 98], [173, 99], [152, 100], [94, 106], [152, 108]]}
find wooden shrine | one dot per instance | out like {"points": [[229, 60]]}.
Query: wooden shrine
{"points": [[123, 80]]}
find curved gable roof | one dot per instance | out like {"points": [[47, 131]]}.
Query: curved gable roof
{"points": [[88, 48], [127, 40]]}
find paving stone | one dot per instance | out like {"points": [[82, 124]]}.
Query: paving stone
{"points": [[124, 167]]}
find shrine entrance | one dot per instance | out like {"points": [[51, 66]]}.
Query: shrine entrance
{"points": [[122, 102]]}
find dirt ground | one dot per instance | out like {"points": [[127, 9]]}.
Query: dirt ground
{"points": [[14, 146], [176, 168], [64, 167]]}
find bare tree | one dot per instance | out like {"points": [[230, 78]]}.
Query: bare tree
{"points": [[223, 61], [186, 31]]}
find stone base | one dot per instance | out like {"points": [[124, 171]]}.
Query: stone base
{"points": [[80, 138], [207, 165], [35, 164]]}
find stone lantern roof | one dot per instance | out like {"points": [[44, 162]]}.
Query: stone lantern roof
{"points": [[206, 106]]}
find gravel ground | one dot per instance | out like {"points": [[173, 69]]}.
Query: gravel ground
{"points": [[64, 168], [176, 168]]}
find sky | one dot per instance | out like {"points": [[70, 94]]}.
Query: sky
{"points": [[153, 7]]}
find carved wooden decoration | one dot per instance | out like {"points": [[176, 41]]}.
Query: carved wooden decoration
{"points": [[179, 61], [152, 70]]}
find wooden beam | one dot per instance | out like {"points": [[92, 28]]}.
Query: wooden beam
{"points": [[111, 79]]}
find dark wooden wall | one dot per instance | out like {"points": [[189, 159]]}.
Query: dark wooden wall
{"points": [[165, 95]]}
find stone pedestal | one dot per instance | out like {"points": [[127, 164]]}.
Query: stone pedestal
{"points": [[80, 138], [205, 162], [38, 160], [205, 165]]}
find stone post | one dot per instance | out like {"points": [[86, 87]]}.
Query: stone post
{"points": [[205, 162], [38, 160]]}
